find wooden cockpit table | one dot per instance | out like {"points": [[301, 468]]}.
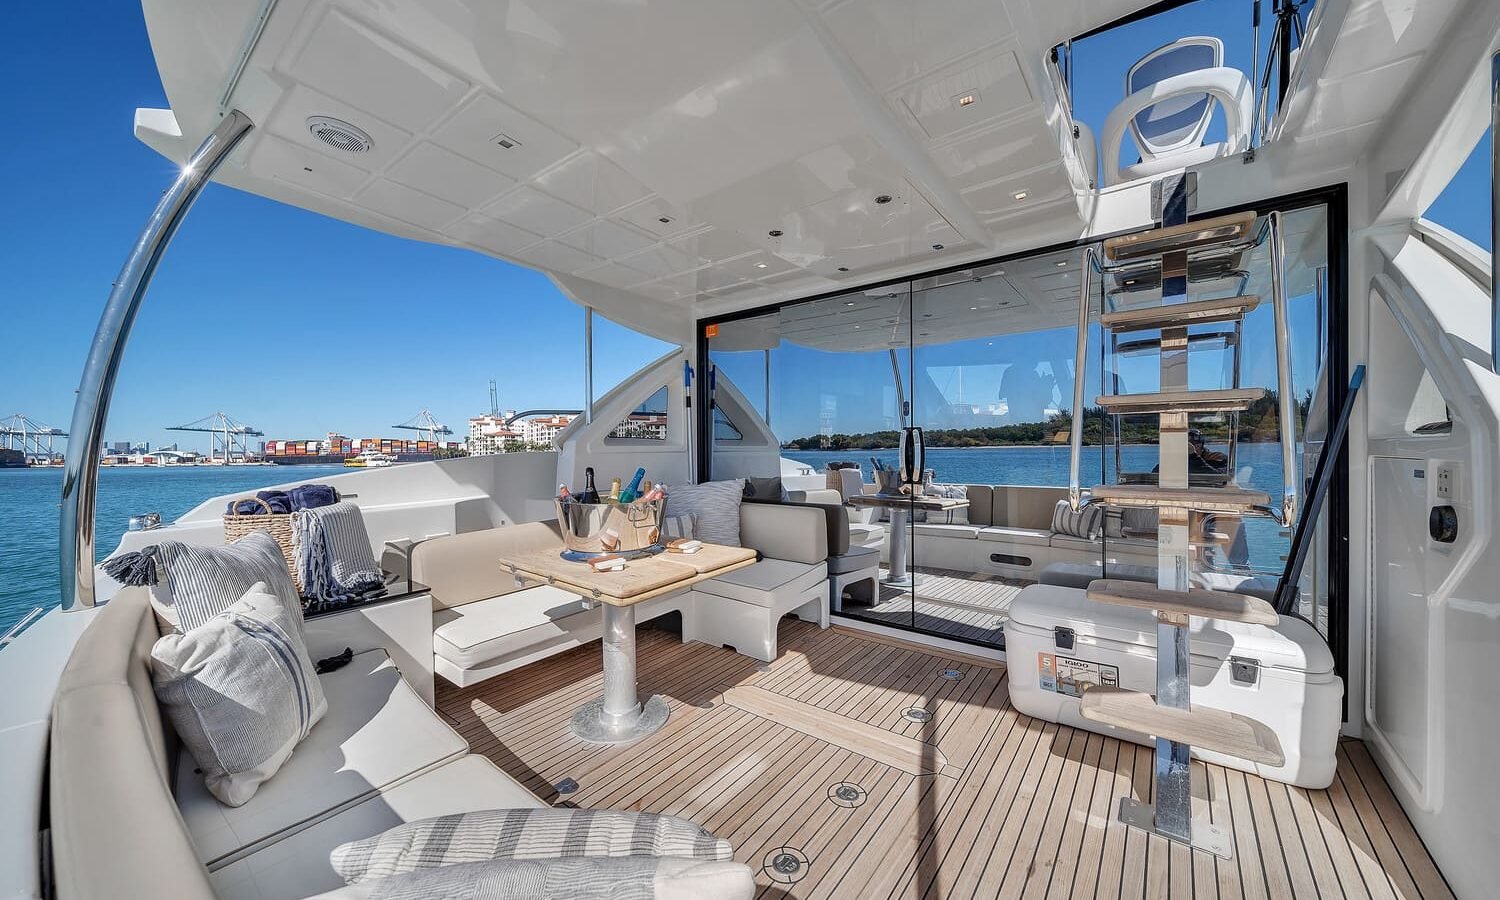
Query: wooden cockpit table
{"points": [[900, 507], [619, 716]]}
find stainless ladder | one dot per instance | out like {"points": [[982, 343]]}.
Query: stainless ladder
{"points": [[1169, 715]]}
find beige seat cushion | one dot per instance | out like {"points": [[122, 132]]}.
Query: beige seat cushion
{"points": [[1136, 546], [1026, 536], [377, 732], [764, 582], [955, 532], [298, 865], [476, 633]]}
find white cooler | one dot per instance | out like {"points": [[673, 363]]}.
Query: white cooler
{"points": [[1056, 639]]}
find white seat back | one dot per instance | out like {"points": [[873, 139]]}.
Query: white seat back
{"points": [[1177, 122]]}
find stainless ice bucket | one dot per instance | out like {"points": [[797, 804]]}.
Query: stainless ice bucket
{"points": [[591, 530]]}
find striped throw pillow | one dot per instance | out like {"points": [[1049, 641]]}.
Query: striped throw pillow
{"points": [[240, 691], [523, 834], [716, 504], [1084, 523], [580, 878], [197, 583]]}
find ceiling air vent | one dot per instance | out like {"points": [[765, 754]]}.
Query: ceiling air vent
{"points": [[339, 135]]}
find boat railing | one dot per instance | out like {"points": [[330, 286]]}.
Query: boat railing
{"points": [[81, 468], [21, 624]]}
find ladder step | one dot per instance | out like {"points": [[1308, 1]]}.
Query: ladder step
{"points": [[1222, 605], [1201, 499], [1197, 312], [1232, 400], [1203, 727], [1191, 236]]}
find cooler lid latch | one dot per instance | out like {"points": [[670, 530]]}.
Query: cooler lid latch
{"points": [[1062, 636], [1244, 671]]}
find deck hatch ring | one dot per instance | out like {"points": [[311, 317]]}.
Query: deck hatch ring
{"points": [[786, 865], [847, 794], [953, 674], [339, 135], [916, 714], [566, 786]]}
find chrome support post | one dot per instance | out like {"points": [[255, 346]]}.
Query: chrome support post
{"points": [[91, 410], [588, 365], [1287, 404], [1080, 364], [619, 716], [1495, 213]]}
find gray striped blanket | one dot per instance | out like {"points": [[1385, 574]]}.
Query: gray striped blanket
{"points": [[334, 559]]}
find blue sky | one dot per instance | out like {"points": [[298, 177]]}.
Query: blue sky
{"points": [[290, 321]]}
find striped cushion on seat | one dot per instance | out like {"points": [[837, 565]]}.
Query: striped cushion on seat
{"points": [[523, 834], [197, 583], [240, 691], [716, 506], [1082, 523], [577, 878]]}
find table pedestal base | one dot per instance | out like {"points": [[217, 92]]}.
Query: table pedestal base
{"points": [[618, 716], [897, 544], [589, 722]]}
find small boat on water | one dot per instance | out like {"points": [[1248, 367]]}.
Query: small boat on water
{"points": [[370, 461]]}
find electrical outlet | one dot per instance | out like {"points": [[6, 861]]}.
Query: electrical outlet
{"points": [[1447, 481]]}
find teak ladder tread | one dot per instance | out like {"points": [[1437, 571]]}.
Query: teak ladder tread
{"points": [[1190, 236], [1197, 312], [1202, 499], [1226, 400], [1222, 605], [1202, 726]]}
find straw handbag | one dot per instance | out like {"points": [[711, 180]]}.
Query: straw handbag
{"points": [[277, 525]]}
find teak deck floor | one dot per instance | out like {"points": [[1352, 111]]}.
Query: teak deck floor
{"points": [[979, 801], [971, 606]]}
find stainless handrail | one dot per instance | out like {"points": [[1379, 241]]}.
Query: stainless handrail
{"points": [[1287, 404], [1495, 213], [1075, 436], [81, 464], [15, 630]]}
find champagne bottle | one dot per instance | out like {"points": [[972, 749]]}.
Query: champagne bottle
{"points": [[633, 490], [614, 490], [590, 493]]}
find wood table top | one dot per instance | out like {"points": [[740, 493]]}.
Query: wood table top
{"points": [[923, 502], [641, 579]]}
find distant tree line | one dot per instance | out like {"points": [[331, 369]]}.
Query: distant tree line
{"points": [[1260, 422]]}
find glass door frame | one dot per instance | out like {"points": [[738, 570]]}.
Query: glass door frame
{"points": [[1333, 197]]}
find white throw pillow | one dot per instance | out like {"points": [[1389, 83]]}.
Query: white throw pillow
{"points": [[240, 691], [716, 504]]}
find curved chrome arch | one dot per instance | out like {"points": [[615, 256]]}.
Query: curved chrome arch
{"points": [[81, 467]]}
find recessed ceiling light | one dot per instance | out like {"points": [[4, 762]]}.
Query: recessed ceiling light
{"points": [[968, 99], [665, 220], [760, 265], [774, 232], [937, 246], [1129, 281], [506, 142], [848, 302], [883, 199], [1020, 195], [856, 328], [973, 309], [1062, 264], [843, 268]]}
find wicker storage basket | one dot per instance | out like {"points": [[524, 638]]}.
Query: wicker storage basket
{"points": [[277, 525]]}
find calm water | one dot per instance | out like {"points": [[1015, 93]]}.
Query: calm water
{"points": [[29, 498], [1259, 467]]}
